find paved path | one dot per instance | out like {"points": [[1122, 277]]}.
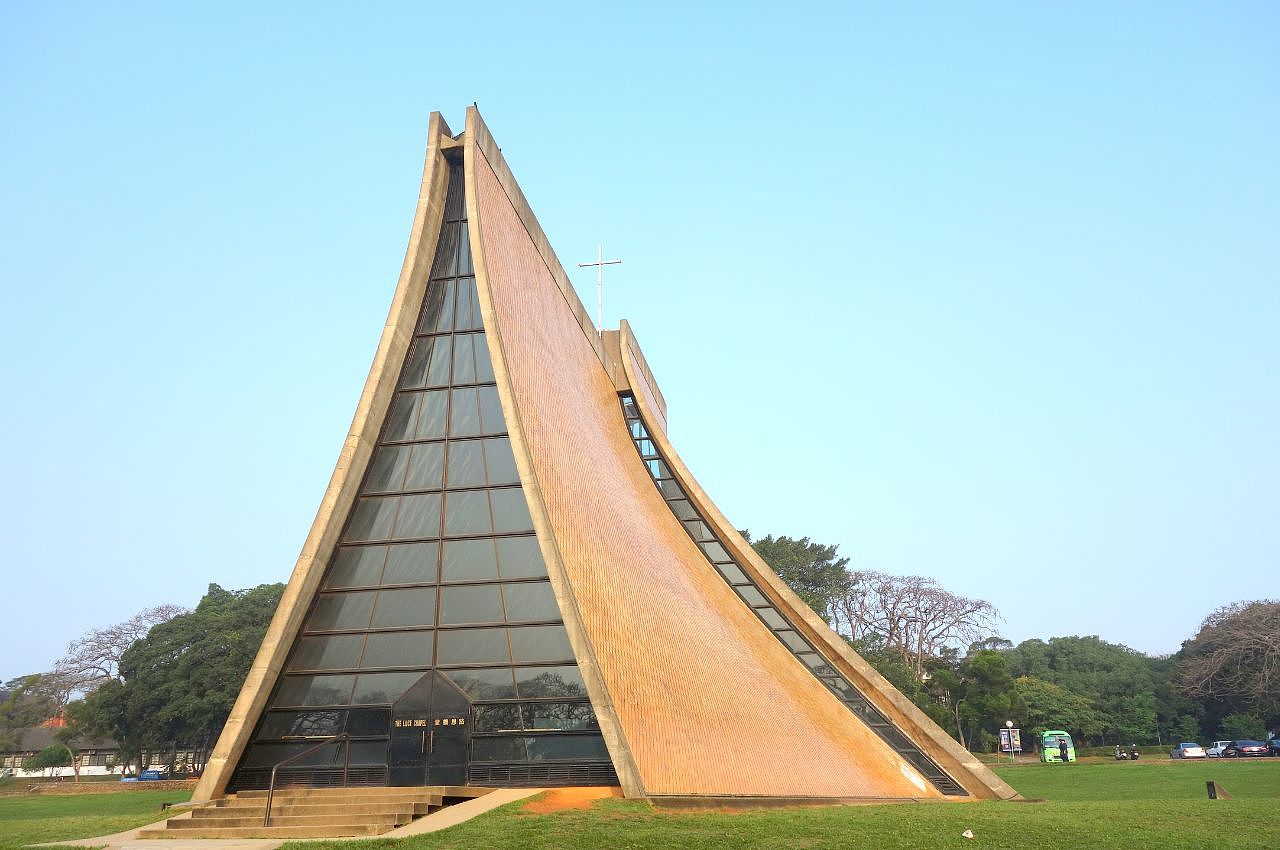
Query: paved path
{"points": [[464, 811], [129, 840]]}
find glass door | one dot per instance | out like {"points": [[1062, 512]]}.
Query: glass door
{"points": [[430, 734], [449, 739]]}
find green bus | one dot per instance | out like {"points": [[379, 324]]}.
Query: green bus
{"points": [[1051, 746]]}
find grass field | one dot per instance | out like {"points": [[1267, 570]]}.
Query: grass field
{"points": [[1112, 806], [1120, 805], [38, 818]]}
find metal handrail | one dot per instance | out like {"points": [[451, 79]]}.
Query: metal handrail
{"points": [[346, 765]]}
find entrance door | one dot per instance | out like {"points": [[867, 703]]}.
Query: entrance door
{"points": [[430, 734], [450, 735], [410, 725]]}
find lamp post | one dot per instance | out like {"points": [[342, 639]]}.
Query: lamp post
{"points": [[1008, 725]]}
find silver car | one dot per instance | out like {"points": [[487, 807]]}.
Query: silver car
{"points": [[1216, 750], [1187, 750]]}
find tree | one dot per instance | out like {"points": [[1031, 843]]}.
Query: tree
{"points": [[24, 702], [913, 614], [66, 737], [1241, 727], [54, 755], [932, 694], [1118, 682], [178, 683], [811, 569], [1049, 706], [1183, 727], [94, 658], [1178, 717], [1233, 662], [987, 697], [105, 714]]}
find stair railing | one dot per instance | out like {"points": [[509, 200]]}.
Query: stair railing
{"points": [[346, 765]]}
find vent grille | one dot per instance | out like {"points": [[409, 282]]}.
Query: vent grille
{"points": [[535, 775], [257, 778]]}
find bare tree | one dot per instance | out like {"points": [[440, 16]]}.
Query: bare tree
{"points": [[95, 658], [913, 614], [1235, 657]]}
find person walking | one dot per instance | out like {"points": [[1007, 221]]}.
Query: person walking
{"points": [[1062, 749]]}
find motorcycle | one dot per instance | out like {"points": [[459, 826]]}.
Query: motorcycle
{"points": [[1129, 753]]}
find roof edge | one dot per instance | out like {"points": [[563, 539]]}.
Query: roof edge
{"points": [[478, 133], [353, 459], [620, 754], [975, 777]]}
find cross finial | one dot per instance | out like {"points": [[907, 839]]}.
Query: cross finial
{"points": [[600, 263]]}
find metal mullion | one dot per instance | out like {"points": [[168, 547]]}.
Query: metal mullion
{"points": [[390, 443], [539, 700], [399, 540], [500, 624], [360, 544], [517, 580], [295, 739], [484, 456], [372, 630], [421, 442], [457, 259], [359, 671], [404, 585], [457, 269], [337, 705], [470, 488], [365, 642], [448, 431], [511, 733], [439, 576], [488, 497], [492, 665], [417, 409]]}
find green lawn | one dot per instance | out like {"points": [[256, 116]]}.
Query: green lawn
{"points": [[37, 818], [1122, 806], [1158, 779]]}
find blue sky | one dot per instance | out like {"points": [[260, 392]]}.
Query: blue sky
{"points": [[985, 292]]}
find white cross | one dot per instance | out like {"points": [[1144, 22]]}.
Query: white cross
{"points": [[600, 263]]}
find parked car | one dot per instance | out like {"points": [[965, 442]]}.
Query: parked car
{"points": [[1245, 749], [1275, 746], [1187, 750], [1216, 750]]}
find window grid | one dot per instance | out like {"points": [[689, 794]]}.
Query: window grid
{"points": [[442, 479], [731, 571]]}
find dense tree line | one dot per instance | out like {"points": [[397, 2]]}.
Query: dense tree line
{"points": [[167, 678], [161, 681], [943, 652]]}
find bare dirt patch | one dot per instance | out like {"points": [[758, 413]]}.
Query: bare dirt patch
{"points": [[562, 799]]}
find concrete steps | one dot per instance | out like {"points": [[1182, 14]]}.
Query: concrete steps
{"points": [[311, 812], [339, 831], [416, 808], [383, 822]]}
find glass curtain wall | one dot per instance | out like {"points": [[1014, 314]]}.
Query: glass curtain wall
{"points": [[435, 641], [777, 622]]}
